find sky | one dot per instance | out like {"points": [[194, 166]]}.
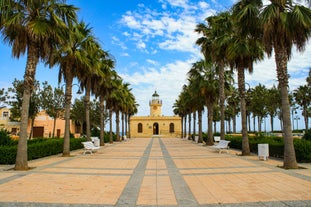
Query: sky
{"points": [[153, 44]]}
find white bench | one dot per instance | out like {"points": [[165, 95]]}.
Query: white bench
{"points": [[89, 147], [125, 138], [222, 145], [216, 138]]}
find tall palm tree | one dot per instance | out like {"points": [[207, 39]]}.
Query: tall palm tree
{"points": [[233, 102], [35, 28], [244, 49], [197, 83], [285, 24], [303, 98], [102, 88], [214, 45], [88, 77], [72, 57]]}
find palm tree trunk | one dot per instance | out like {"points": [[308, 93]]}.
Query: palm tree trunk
{"points": [[122, 124], [110, 126], [194, 122], [185, 126], [101, 122], [182, 126], [306, 118], [129, 126], [126, 123], [189, 124], [21, 162], [87, 108], [118, 125], [271, 123], [222, 99], [210, 139], [68, 95], [241, 83], [31, 128], [54, 124], [234, 124], [200, 125], [259, 123], [281, 66]]}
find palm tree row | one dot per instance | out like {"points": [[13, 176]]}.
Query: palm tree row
{"points": [[48, 31], [239, 37]]}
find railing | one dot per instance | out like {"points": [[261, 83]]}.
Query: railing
{"points": [[155, 102]]}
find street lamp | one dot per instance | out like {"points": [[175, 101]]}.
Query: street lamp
{"points": [[297, 118], [79, 90]]}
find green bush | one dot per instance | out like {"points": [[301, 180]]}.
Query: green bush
{"points": [[5, 138], [307, 135], [276, 146], [38, 148], [8, 154], [303, 150]]}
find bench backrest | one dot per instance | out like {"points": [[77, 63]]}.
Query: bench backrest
{"points": [[88, 145], [223, 143]]}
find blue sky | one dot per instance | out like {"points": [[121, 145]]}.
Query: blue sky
{"points": [[153, 42]]}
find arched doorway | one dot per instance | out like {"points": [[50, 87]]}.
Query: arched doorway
{"points": [[155, 128]]}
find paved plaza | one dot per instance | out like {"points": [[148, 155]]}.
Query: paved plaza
{"points": [[155, 172]]}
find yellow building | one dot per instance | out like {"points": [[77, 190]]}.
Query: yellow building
{"points": [[156, 124], [42, 126], [5, 123]]}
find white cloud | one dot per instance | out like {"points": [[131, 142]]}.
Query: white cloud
{"points": [[167, 80], [152, 62]]}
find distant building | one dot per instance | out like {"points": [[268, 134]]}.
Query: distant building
{"points": [[42, 127], [5, 123], [156, 124]]}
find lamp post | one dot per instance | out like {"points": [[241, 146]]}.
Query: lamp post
{"points": [[297, 118], [79, 92]]}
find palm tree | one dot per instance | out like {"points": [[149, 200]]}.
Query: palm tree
{"points": [[273, 104], [285, 24], [102, 88], [35, 28], [73, 59], [233, 102], [245, 49], [214, 45], [259, 97], [87, 78], [303, 98], [196, 84]]}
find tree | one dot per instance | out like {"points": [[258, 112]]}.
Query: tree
{"points": [[16, 102], [73, 59], [214, 44], [285, 24], [259, 103], [233, 102], [52, 101], [303, 98], [273, 104], [32, 27], [244, 49], [196, 84], [2, 97], [77, 113]]}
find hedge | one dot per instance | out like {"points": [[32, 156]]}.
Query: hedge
{"points": [[276, 146], [38, 148]]}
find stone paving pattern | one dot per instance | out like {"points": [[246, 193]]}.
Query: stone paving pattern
{"points": [[155, 172]]}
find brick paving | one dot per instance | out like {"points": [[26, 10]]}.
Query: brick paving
{"points": [[155, 172]]}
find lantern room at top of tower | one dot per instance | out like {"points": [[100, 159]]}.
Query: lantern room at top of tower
{"points": [[155, 99]]}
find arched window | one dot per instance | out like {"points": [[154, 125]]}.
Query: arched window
{"points": [[172, 128], [140, 128]]}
